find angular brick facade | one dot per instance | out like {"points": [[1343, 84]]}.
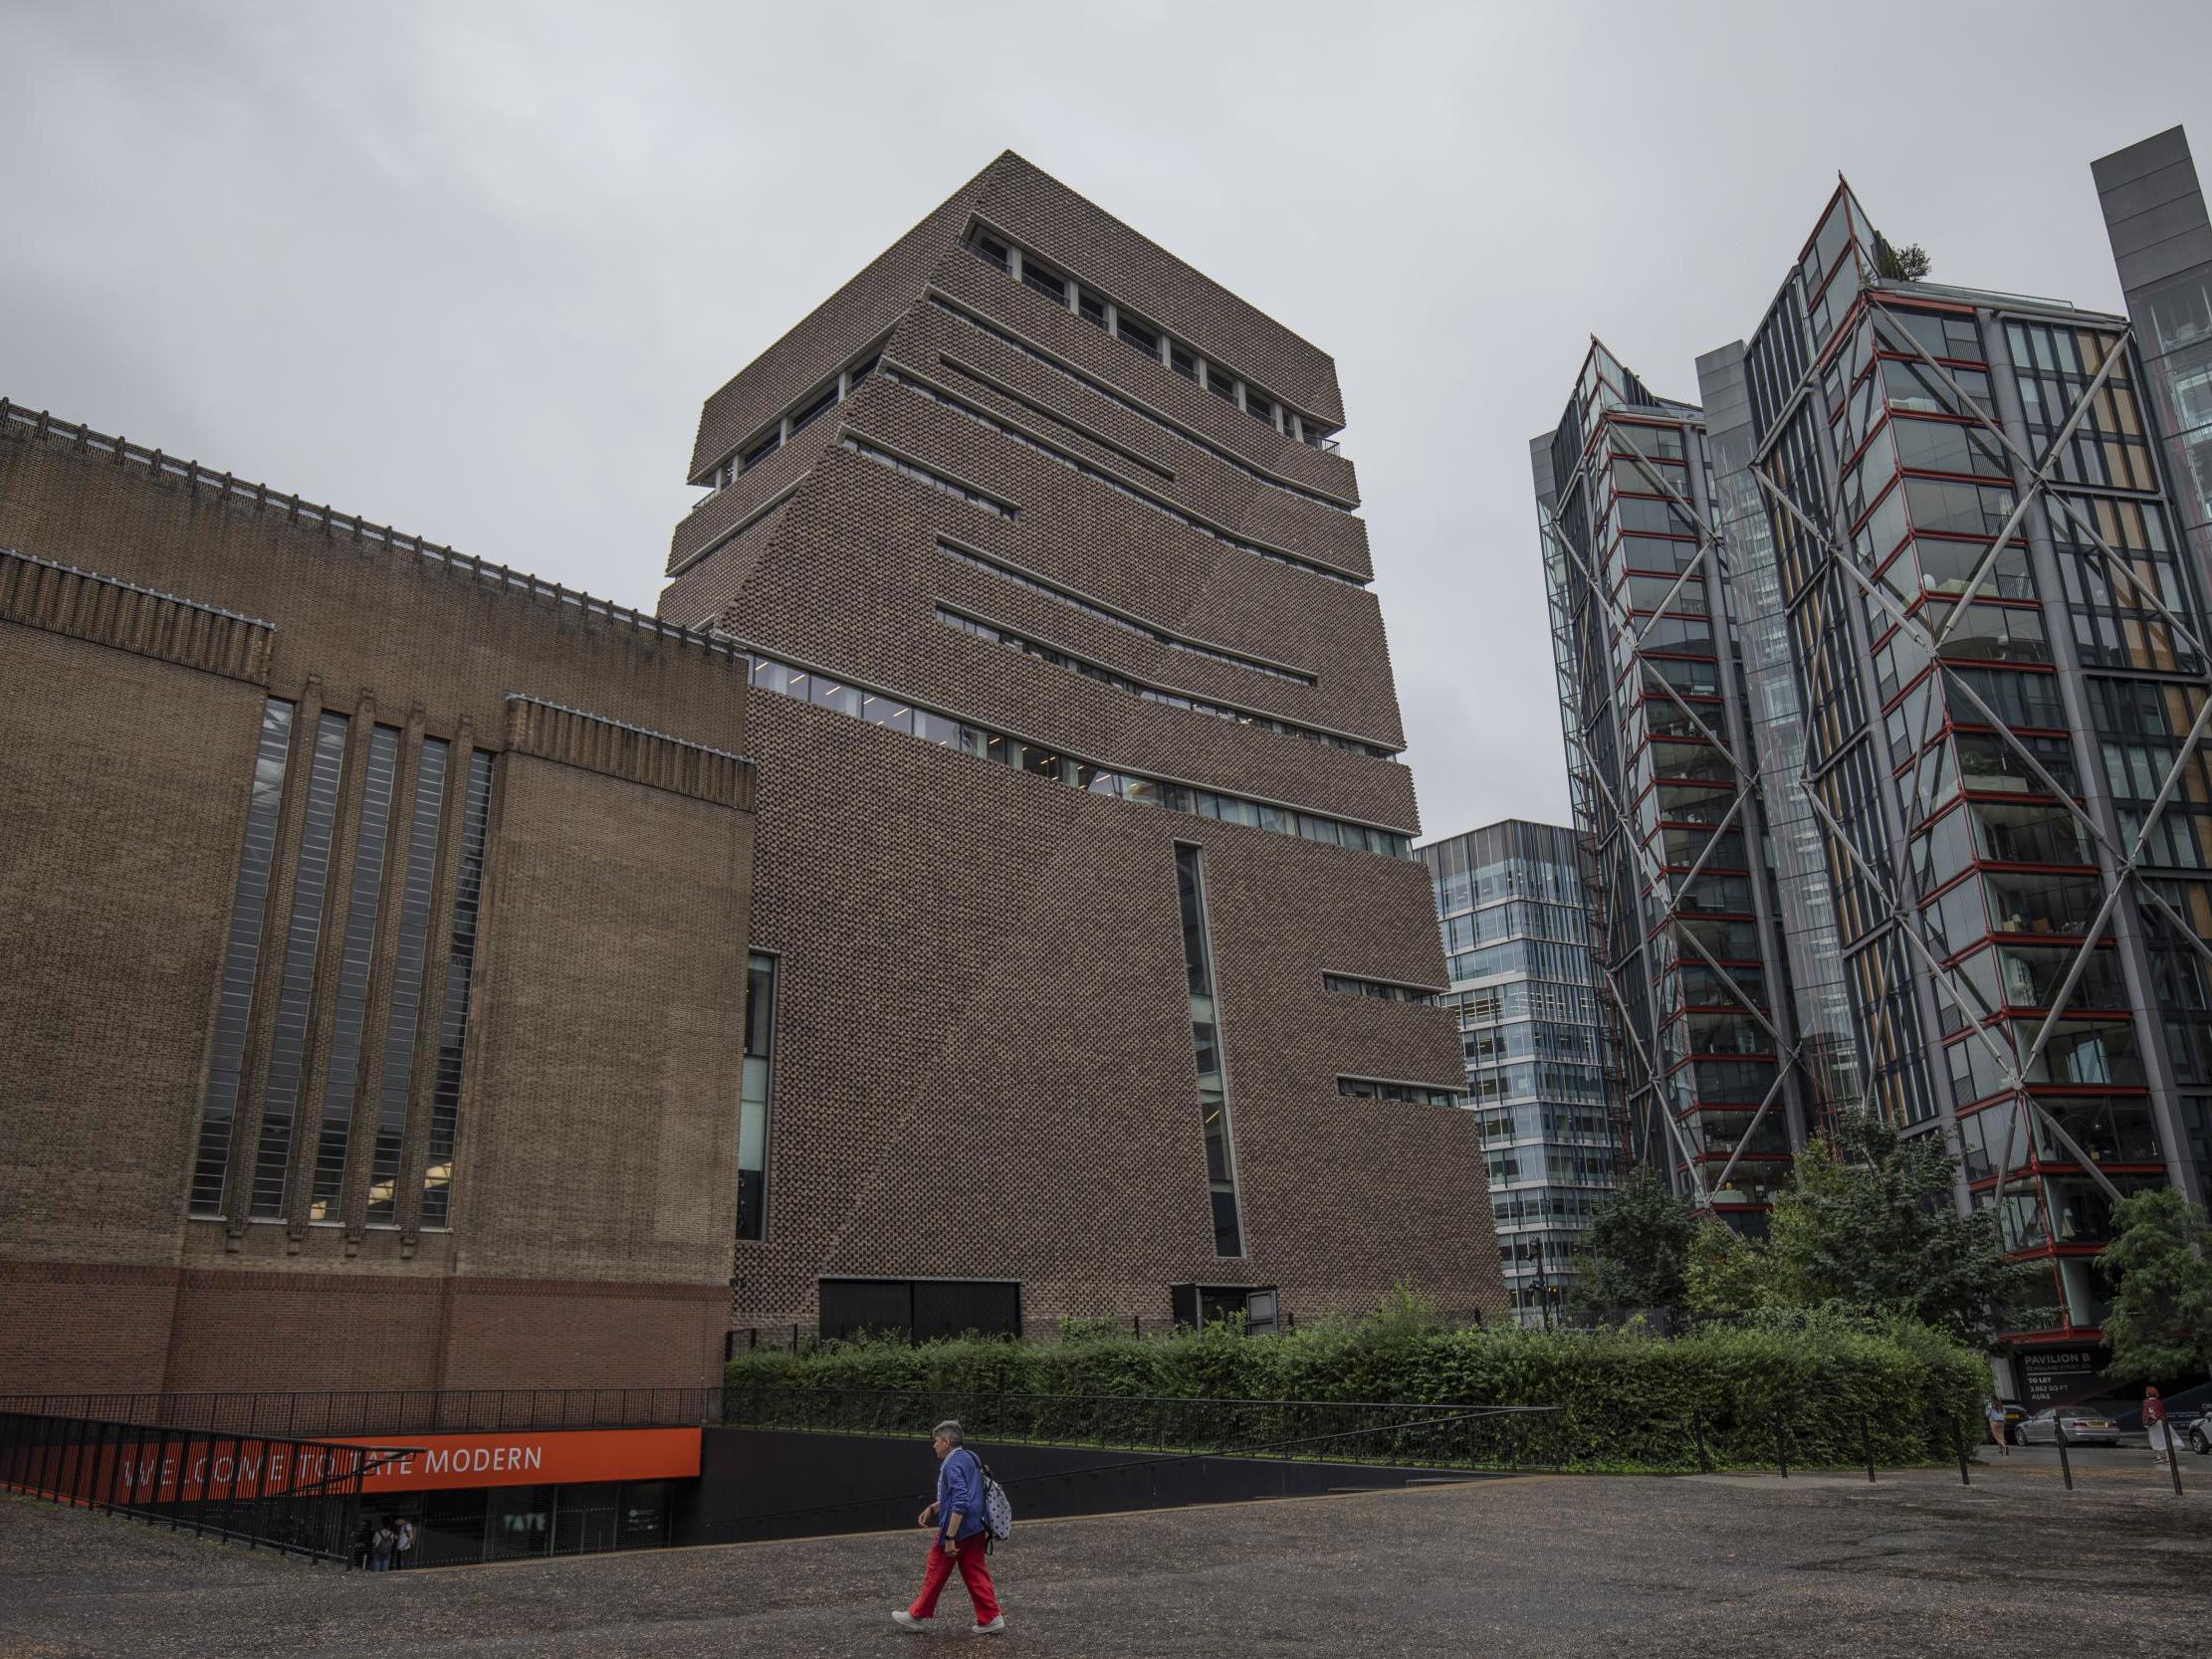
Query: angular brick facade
{"points": [[984, 1051], [984, 1057]]}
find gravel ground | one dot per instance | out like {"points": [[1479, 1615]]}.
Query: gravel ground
{"points": [[1556, 1567]]}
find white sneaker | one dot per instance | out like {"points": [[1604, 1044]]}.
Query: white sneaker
{"points": [[992, 1629], [907, 1621]]}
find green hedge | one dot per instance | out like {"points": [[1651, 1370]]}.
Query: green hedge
{"points": [[1628, 1402]]}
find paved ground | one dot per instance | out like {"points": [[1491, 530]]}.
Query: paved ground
{"points": [[1545, 1566]]}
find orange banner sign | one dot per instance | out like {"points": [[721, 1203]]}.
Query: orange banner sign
{"points": [[529, 1457]]}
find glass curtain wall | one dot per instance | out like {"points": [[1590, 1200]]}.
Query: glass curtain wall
{"points": [[1511, 908]]}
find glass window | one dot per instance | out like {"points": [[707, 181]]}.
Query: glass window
{"points": [[288, 1040], [1050, 283], [753, 1106], [1213, 1086], [409, 963], [341, 1078], [1137, 335], [453, 1029], [241, 961], [805, 417]]}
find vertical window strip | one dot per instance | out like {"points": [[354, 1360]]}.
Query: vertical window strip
{"points": [[453, 1031], [1206, 1042], [241, 961], [343, 1077], [288, 1045], [753, 1103], [417, 895]]}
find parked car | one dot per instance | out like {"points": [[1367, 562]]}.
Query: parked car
{"points": [[2198, 1435], [2084, 1427]]}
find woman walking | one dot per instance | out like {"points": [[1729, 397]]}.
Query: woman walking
{"points": [[957, 1516]]}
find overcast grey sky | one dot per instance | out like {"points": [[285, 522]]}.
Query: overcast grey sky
{"points": [[469, 269]]}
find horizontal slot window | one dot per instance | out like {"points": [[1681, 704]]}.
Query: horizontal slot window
{"points": [[1006, 429], [1409, 1094], [769, 674], [1104, 313], [1105, 676], [1174, 642]]}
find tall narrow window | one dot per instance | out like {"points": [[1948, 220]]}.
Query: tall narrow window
{"points": [[341, 1080], [1205, 1043], [753, 1106], [288, 1044], [417, 892], [241, 961], [453, 1028]]}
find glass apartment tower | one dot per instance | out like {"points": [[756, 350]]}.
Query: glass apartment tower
{"points": [[1511, 908], [1960, 532], [1645, 628]]}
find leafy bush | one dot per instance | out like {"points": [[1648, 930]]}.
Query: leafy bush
{"points": [[1628, 1402]]}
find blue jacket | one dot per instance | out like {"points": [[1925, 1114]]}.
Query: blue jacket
{"points": [[959, 1486]]}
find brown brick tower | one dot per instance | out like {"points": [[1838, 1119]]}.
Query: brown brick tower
{"points": [[1089, 951]]}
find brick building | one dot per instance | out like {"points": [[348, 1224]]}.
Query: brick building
{"points": [[1042, 985], [308, 1084], [1049, 574]]}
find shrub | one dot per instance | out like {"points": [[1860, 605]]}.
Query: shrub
{"points": [[1626, 1400]]}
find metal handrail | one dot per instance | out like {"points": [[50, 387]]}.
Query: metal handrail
{"points": [[296, 1496]]}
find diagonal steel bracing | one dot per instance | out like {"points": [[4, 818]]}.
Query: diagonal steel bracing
{"points": [[2127, 873], [1708, 563]]}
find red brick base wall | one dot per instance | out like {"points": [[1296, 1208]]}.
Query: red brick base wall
{"points": [[73, 1329]]}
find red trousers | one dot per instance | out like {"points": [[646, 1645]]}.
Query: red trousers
{"points": [[974, 1567]]}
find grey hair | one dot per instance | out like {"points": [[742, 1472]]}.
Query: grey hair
{"points": [[949, 1429]]}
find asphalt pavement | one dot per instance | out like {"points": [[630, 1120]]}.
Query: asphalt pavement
{"points": [[1554, 1566]]}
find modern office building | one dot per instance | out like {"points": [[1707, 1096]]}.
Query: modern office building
{"points": [[1971, 525], [984, 897], [1510, 908]]}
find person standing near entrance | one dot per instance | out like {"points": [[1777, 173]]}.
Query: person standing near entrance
{"points": [[2155, 1427], [1994, 1411], [403, 1551], [958, 1516], [380, 1546]]}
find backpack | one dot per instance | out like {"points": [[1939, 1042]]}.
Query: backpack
{"points": [[997, 1506], [381, 1541]]}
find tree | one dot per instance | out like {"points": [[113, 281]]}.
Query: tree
{"points": [[1635, 1248], [1727, 1275], [2160, 1260], [1869, 1221], [1908, 264]]}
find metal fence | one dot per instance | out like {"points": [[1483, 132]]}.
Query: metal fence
{"points": [[406, 1411], [294, 1496], [804, 1337], [1181, 1446], [1348, 1431]]}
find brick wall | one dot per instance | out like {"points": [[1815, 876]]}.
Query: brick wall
{"points": [[984, 1050], [593, 1203]]}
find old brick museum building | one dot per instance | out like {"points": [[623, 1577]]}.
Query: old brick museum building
{"points": [[982, 894]]}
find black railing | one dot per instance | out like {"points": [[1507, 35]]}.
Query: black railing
{"points": [[1345, 1432], [399, 1411], [1395, 1436], [299, 1496]]}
